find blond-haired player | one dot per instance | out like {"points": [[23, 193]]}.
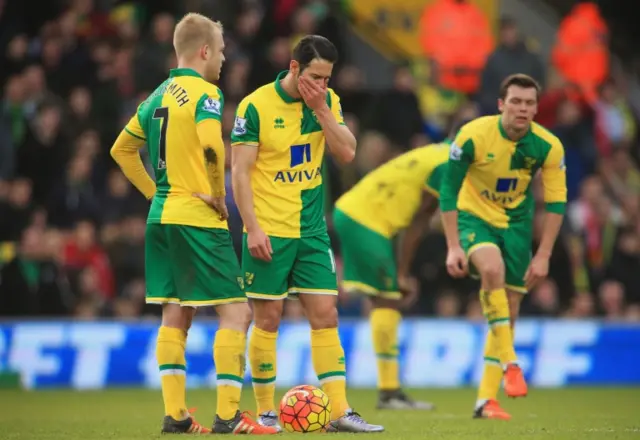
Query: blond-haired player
{"points": [[189, 258]]}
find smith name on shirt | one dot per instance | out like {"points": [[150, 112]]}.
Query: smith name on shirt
{"points": [[173, 89]]}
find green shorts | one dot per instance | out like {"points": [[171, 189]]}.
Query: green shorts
{"points": [[191, 266], [298, 265], [514, 243], [368, 259]]}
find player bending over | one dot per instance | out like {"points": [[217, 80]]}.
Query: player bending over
{"points": [[189, 259], [278, 145], [487, 209], [400, 195]]}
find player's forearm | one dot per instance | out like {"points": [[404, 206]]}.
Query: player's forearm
{"points": [[450, 226], [243, 195], [409, 243], [340, 140], [551, 229], [125, 153]]}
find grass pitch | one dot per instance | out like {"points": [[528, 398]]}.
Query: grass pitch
{"points": [[597, 413]]}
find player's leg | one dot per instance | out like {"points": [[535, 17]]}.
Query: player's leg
{"points": [[517, 258], [481, 242], [313, 279], [172, 334], [369, 268], [209, 275], [266, 287]]}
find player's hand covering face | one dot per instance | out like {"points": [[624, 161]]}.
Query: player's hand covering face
{"points": [[313, 82], [519, 107]]}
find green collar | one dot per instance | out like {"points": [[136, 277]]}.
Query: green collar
{"points": [[504, 134], [185, 71], [281, 92]]}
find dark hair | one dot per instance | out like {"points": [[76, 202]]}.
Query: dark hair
{"points": [[518, 80], [312, 47]]}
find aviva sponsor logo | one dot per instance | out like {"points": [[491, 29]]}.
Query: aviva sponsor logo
{"points": [[299, 155], [503, 199], [293, 176]]}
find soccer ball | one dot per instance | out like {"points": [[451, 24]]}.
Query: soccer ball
{"points": [[305, 408]]}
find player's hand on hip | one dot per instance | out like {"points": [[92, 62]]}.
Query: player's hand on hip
{"points": [[313, 94], [537, 271], [217, 203], [457, 264], [259, 245]]}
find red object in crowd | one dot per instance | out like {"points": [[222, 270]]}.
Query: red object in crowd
{"points": [[95, 258]]}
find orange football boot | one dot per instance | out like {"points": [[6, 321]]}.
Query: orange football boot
{"points": [[514, 383], [491, 410]]}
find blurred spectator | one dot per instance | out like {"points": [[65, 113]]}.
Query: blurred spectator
{"points": [[511, 56], [43, 155], [544, 300], [82, 251], [581, 53], [396, 113], [17, 211], [73, 72], [612, 299], [448, 28], [153, 53], [34, 273]]}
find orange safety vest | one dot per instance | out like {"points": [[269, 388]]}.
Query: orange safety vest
{"points": [[457, 36], [581, 53]]}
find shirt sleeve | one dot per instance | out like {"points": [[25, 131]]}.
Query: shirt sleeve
{"points": [[461, 156], [125, 152], [336, 108], [554, 179], [210, 106], [246, 128], [433, 183], [134, 128]]}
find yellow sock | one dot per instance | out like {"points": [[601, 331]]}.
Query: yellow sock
{"points": [[228, 355], [492, 372], [496, 309], [262, 356], [328, 361], [170, 348], [384, 332]]}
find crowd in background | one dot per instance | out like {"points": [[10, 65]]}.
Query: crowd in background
{"points": [[72, 227]]}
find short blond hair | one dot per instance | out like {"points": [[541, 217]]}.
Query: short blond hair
{"points": [[192, 32]]}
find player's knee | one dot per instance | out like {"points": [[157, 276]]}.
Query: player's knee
{"points": [[323, 316], [235, 317], [492, 274], [173, 316], [267, 315]]}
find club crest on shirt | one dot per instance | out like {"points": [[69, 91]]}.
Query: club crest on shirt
{"points": [[529, 162]]}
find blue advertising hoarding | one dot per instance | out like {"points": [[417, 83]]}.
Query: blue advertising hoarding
{"points": [[434, 353]]}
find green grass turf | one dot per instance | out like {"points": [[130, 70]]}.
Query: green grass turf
{"points": [[605, 413]]}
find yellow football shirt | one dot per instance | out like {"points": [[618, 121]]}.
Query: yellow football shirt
{"points": [[489, 175], [168, 120], [387, 199], [287, 177]]}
